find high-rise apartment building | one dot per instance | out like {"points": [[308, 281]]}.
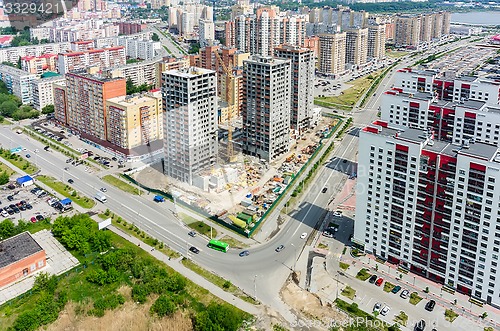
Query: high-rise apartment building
{"points": [[85, 95], [190, 131], [407, 30], [426, 27], [332, 53], [143, 72], [376, 41], [431, 206], [134, 120], [266, 107], [18, 82], [206, 32], [302, 84], [60, 102], [437, 25], [43, 91], [356, 49], [101, 58], [39, 64]]}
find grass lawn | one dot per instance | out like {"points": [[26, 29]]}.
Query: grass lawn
{"points": [[388, 287], [218, 281], [450, 315], [349, 292], [5, 122], [233, 242], [396, 54], [348, 98], [414, 298], [322, 246], [187, 218], [4, 167], [122, 185], [203, 228], [363, 275], [67, 191], [402, 318], [18, 161], [344, 266]]}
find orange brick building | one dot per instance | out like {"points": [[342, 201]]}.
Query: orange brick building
{"points": [[20, 256]]}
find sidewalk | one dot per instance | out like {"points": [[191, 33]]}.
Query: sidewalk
{"points": [[191, 275], [418, 283]]}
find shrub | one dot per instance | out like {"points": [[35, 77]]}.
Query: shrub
{"points": [[163, 306]]}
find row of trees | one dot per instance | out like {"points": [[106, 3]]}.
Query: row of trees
{"points": [[12, 107], [132, 88]]}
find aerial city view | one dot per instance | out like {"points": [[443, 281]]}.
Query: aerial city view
{"points": [[265, 165]]}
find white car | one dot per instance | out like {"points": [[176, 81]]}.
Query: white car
{"points": [[337, 213], [385, 311], [302, 236]]}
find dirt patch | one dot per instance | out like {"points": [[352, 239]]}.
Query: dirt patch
{"points": [[129, 317], [309, 306]]}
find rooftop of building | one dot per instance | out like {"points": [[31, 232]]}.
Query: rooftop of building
{"points": [[413, 95], [14, 71], [471, 104], [189, 72], [132, 100], [468, 78], [91, 76], [265, 60], [292, 48], [475, 149], [419, 72], [17, 248]]}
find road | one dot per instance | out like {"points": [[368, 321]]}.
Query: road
{"points": [[263, 272], [167, 42]]}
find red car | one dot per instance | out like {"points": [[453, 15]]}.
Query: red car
{"points": [[379, 281], [33, 219]]}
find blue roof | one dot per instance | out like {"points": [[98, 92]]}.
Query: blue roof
{"points": [[66, 201], [24, 179]]}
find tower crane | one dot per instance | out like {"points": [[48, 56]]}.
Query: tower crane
{"points": [[231, 105]]}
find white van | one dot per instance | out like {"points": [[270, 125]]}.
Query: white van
{"points": [[100, 197]]}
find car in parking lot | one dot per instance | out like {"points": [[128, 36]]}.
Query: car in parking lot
{"points": [[430, 305], [377, 307], [194, 249], [28, 206], [405, 294], [10, 198], [379, 281], [372, 279], [385, 311], [39, 217], [4, 213], [33, 219], [396, 289], [337, 213], [420, 326], [328, 234], [244, 253], [280, 248]]}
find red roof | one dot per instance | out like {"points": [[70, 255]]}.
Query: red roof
{"points": [[496, 38]]}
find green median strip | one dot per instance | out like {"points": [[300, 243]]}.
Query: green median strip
{"points": [[67, 191], [122, 185], [218, 281], [18, 161]]}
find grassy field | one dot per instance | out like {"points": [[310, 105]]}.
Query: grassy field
{"points": [[414, 298], [402, 318], [219, 281], [450, 315], [233, 242], [4, 167], [349, 292], [203, 228], [348, 98], [67, 191], [344, 266], [18, 161], [388, 287], [396, 54], [122, 185]]}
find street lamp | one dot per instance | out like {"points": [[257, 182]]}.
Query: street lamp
{"points": [[255, 287], [294, 261]]}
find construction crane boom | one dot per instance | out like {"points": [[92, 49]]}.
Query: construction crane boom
{"points": [[231, 104]]}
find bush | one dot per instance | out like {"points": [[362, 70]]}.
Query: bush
{"points": [[110, 302], [163, 306], [218, 317], [227, 284]]}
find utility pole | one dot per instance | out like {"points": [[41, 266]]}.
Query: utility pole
{"points": [[294, 261], [255, 287]]}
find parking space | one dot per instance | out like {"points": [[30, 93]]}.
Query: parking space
{"points": [[31, 204]]}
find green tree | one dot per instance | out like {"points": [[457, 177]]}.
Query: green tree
{"points": [[217, 317], [49, 109], [19, 63], [4, 178], [155, 37], [7, 229], [130, 87], [3, 87], [7, 108], [163, 306], [194, 48]]}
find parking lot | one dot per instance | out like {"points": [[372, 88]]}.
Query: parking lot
{"points": [[29, 203]]}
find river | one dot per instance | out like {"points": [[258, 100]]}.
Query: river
{"points": [[477, 18]]}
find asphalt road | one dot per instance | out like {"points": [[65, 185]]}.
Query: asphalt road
{"points": [[166, 42]]}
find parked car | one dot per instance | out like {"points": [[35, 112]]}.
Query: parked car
{"points": [[71, 181], [405, 294], [11, 186], [385, 310], [379, 281], [377, 307], [244, 253], [280, 248], [372, 279], [40, 217], [430, 305], [28, 206], [33, 219], [420, 326], [194, 249], [396, 289], [10, 198]]}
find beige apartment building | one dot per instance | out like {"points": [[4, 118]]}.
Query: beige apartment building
{"points": [[356, 46], [332, 51], [376, 41], [134, 120], [407, 30]]}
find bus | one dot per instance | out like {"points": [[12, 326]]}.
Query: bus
{"points": [[218, 245]]}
